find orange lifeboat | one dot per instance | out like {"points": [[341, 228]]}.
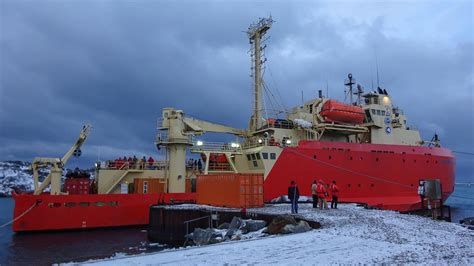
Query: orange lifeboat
{"points": [[334, 111]]}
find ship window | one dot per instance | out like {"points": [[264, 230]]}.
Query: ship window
{"points": [[315, 157], [348, 185], [84, 204], [403, 160], [373, 111], [54, 205], [145, 187], [361, 158], [372, 185], [248, 157], [99, 203], [376, 159], [69, 204], [383, 112], [358, 185], [330, 157], [350, 158], [378, 112], [311, 109], [255, 164], [265, 155], [376, 100], [253, 156], [273, 156], [113, 203], [368, 117], [258, 156]]}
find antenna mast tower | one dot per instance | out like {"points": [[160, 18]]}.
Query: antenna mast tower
{"points": [[255, 32]]}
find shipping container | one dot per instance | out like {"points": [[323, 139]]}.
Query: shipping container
{"points": [[149, 185], [75, 186], [230, 190]]}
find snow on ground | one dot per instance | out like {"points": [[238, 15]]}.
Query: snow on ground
{"points": [[348, 235]]}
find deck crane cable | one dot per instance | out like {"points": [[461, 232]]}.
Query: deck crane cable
{"points": [[351, 171]]}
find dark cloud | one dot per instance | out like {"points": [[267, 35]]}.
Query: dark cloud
{"points": [[117, 64]]}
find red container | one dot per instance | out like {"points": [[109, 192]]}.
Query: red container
{"points": [[75, 186], [230, 190], [334, 111]]}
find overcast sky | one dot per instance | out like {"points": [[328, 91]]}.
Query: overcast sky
{"points": [[116, 64]]}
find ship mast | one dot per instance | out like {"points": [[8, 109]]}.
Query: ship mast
{"points": [[255, 33]]}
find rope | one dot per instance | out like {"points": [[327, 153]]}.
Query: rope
{"points": [[463, 152], [21, 215], [351, 171]]}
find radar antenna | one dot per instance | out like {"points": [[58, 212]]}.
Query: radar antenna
{"points": [[349, 82]]}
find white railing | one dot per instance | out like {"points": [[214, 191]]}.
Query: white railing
{"points": [[215, 146]]}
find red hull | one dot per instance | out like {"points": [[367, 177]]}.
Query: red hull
{"points": [[62, 212], [384, 176]]}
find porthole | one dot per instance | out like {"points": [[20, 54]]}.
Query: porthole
{"points": [[358, 185], [348, 185], [330, 157], [371, 185], [315, 157], [350, 158], [376, 159]]}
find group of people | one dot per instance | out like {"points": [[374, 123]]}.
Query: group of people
{"points": [[194, 164], [133, 162], [319, 190]]}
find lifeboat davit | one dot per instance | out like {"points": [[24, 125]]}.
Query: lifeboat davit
{"points": [[334, 111]]}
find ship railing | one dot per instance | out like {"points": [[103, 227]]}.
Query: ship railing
{"points": [[163, 138], [138, 165], [218, 147]]}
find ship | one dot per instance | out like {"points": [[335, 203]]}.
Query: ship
{"points": [[364, 143]]}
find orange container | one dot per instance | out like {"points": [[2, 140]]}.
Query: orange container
{"points": [[230, 190], [149, 185]]}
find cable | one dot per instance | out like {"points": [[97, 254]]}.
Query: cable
{"points": [[461, 197], [464, 152], [351, 171], [21, 215]]}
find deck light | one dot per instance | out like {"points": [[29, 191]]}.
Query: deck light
{"points": [[199, 143], [234, 145], [288, 141]]}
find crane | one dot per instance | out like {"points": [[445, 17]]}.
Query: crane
{"points": [[56, 165]]}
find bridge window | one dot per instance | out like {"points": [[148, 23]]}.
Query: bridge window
{"points": [[255, 164], [69, 204], [253, 156], [145, 187], [273, 156], [258, 156], [265, 155], [248, 157]]}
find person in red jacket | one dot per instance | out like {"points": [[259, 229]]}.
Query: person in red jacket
{"points": [[151, 161], [335, 194], [321, 191]]}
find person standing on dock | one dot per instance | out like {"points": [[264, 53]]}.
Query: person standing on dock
{"points": [[314, 194], [293, 196], [321, 191], [334, 193]]}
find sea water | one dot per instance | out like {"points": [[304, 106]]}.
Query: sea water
{"points": [[46, 248]]}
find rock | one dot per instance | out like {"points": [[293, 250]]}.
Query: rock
{"points": [[254, 225], [216, 240], [223, 226], [300, 227], [467, 221], [202, 236], [236, 223], [236, 237], [277, 224]]}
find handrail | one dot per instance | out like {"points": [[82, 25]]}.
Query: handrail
{"points": [[139, 165]]}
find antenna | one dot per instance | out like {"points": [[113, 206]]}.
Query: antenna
{"points": [[327, 89], [302, 98], [377, 67], [349, 82]]}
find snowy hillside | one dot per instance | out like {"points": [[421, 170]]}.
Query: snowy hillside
{"points": [[17, 174]]}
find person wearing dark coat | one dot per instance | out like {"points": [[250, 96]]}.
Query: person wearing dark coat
{"points": [[293, 196]]}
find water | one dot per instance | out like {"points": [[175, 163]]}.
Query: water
{"points": [[48, 248], [461, 202], [54, 247]]}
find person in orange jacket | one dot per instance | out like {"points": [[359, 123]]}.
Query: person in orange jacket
{"points": [[322, 191], [334, 193]]}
